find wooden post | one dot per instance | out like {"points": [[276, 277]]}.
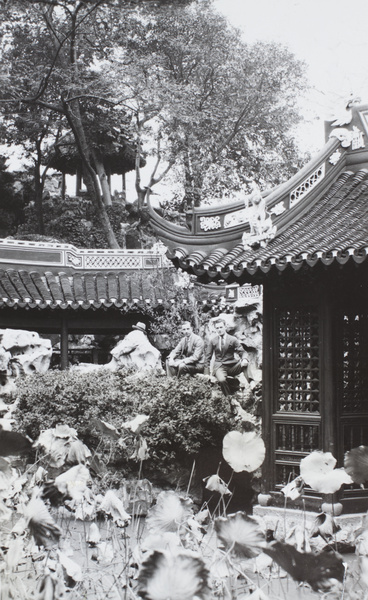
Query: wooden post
{"points": [[268, 378], [78, 182], [328, 402], [64, 358], [63, 186]]}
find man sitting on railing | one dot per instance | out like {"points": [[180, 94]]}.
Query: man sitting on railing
{"points": [[187, 357], [229, 356]]}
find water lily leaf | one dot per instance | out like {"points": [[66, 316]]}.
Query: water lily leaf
{"points": [[73, 482], [214, 483], [356, 464], [243, 451], [64, 431], [141, 450], [106, 428], [317, 470], [78, 452], [293, 489], [41, 524], [170, 512], [13, 443], [241, 534], [325, 526], [94, 535], [113, 506], [71, 567], [179, 577], [322, 571], [135, 425]]}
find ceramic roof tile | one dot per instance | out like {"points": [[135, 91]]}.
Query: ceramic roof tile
{"points": [[10, 291], [30, 286], [42, 288], [112, 286], [79, 289], [331, 225], [124, 286], [54, 287], [85, 290]]}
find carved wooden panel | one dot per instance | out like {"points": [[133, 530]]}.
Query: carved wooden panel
{"points": [[298, 362], [355, 363]]}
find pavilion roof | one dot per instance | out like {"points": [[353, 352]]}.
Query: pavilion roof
{"points": [[117, 154], [87, 290], [320, 216], [43, 275]]}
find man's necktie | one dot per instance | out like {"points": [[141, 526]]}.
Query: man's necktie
{"points": [[221, 342]]}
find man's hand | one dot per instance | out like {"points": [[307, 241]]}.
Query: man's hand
{"points": [[244, 362]]}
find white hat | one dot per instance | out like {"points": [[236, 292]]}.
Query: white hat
{"points": [[139, 326]]}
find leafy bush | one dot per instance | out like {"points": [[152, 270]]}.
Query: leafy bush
{"points": [[185, 414]]}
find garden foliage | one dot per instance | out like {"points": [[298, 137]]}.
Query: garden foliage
{"points": [[184, 414]]}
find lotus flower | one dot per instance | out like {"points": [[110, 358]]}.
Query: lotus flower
{"points": [[240, 533], [41, 525], [356, 464], [169, 513], [317, 470], [164, 575], [243, 451]]}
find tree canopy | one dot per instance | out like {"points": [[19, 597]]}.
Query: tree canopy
{"points": [[172, 78]]}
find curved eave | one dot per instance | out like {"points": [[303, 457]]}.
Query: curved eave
{"points": [[176, 236], [258, 269]]}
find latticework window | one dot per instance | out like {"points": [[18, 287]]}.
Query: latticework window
{"points": [[355, 364], [298, 366]]}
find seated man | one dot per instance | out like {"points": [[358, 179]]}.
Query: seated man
{"points": [[224, 348], [187, 357]]}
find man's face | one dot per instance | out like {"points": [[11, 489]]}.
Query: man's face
{"points": [[220, 328], [186, 329]]}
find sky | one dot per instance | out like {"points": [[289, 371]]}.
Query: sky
{"points": [[330, 36]]}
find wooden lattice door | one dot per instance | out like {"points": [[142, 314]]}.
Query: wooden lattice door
{"points": [[296, 419]]}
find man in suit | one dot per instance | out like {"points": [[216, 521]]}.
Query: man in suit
{"points": [[229, 356], [187, 356]]}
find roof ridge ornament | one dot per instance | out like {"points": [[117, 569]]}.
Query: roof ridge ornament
{"points": [[347, 137], [260, 221], [347, 133]]}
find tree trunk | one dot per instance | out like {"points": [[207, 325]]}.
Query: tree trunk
{"points": [[73, 116], [104, 182], [38, 199]]}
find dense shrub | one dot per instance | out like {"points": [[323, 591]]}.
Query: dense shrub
{"points": [[184, 414]]}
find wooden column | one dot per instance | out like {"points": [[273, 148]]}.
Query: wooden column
{"points": [[328, 400], [63, 186], [268, 384], [64, 358], [78, 182]]}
